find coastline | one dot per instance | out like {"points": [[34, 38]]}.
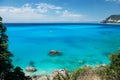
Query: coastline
{"points": [[43, 72], [57, 72], [64, 74]]}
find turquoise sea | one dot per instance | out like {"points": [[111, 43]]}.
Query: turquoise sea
{"points": [[80, 44]]}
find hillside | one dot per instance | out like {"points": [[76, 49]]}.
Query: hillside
{"points": [[112, 19]]}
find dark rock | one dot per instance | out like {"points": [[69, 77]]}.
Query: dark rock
{"points": [[54, 53], [32, 63]]}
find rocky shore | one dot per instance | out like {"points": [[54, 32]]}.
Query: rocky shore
{"points": [[61, 74], [112, 19], [84, 73]]}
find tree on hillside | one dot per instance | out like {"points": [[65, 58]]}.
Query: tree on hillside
{"points": [[5, 60], [7, 70], [115, 65], [112, 71]]}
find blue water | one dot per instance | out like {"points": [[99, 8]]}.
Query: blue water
{"points": [[80, 44]]}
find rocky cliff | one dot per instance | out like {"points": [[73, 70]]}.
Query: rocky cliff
{"points": [[0, 19], [112, 19]]}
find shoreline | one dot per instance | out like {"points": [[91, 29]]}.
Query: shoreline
{"points": [[65, 74], [43, 72]]}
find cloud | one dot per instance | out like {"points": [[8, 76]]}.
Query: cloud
{"points": [[68, 16], [37, 13], [66, 13], [44, 7], [118, 1]]}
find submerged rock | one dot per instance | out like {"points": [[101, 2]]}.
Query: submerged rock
{"points": [[54, 53], [32, 63], [30, 69]]}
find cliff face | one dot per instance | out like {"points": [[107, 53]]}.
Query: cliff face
{"points": [[0, 19], [112, 19]]}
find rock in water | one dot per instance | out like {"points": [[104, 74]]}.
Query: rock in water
{"points": [[54, 53], [30, 69]]}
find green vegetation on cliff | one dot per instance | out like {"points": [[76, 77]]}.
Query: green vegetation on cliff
{"points": [[7, 70], [108, 72], [112, 19]]}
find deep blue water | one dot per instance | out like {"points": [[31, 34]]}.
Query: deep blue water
{"points": [[80, 44]]}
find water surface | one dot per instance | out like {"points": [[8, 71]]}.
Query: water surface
{"points": [[80, 44]]}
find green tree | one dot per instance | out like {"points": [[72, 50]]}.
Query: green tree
{"points": [[7, 70], [115, 65], [5, 60], [112, 71]]}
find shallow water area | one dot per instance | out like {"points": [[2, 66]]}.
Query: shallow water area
{"points": [[80, 44]]}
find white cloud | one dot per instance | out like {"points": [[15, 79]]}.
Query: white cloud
{"points": [[69, 16], [44, 7], [118, 1], [57, 12], [48, 6], [42, 12], [66, 13]]}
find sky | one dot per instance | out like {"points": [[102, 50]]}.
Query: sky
{"points": [[54, 11]]}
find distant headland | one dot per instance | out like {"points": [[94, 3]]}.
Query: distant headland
{"points": [[112, 19]]}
